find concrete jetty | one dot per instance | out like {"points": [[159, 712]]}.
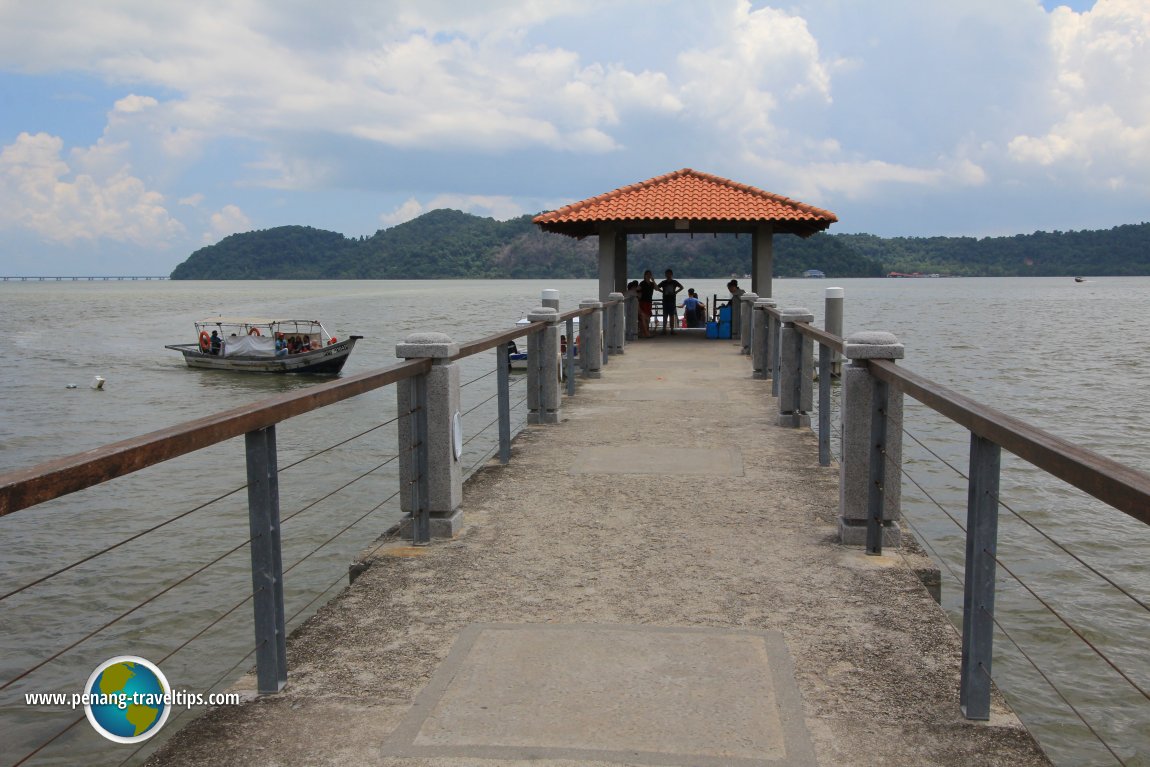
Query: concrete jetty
{"points": [[655, 580]]}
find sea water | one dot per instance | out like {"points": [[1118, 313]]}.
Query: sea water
{"points": [[1068, 357]]}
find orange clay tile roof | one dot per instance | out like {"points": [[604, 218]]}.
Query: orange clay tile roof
{"points": [[704, 200]]}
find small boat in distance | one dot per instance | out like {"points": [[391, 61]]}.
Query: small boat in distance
{"points": [[1080, 279], [265, 346]]}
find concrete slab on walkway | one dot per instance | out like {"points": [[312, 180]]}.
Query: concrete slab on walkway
{"points": [[635, 694], [637, 459], [673, 394]]}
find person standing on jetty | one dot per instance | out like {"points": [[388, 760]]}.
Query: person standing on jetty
{"points": [[646, 293], [670, 288]]}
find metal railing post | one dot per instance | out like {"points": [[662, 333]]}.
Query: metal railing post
{"points": [[503, 387], [570, 360], [267, 561], [978, 591], [876, 477], [824, 405]]}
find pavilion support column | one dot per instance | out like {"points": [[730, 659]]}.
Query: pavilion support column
{"points": [[762, 259], [620, 263], [607, 242]]}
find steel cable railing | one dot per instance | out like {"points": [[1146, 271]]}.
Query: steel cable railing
{"points": [[180, 516], [1044, 603], [24, 488], [179, 582], [1057, 544], [495, 448], [200, 570]]}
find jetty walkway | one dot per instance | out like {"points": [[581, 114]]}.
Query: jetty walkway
{"points": [[655, 580]]}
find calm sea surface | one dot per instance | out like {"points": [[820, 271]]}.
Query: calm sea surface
{"points": [[1070, 358]]}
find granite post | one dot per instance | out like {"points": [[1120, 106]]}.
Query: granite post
{"points": [[543, 398], [854, 486], [591, 339], [444, 480], [746, 321], [760, 344], [618, 326], [632, 310], [796, 370]]}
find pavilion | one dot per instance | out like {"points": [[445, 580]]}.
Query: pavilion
{"points": [[684, 202]]}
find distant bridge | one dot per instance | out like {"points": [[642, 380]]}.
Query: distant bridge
{"points": [[83, 278]]}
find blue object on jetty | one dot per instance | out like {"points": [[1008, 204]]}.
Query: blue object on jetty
{"points": [[725, 329], [712, 330]]}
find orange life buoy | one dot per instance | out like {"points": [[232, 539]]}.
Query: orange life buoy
{"points": [[254, 331], [331, 340], [205, 341]]}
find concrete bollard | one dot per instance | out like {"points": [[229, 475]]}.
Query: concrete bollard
{"points": [[550, 298], [858, 388], [833, 323], [746, 321], [760, 344], [796, 371], [618, 326], [543, 398], [591, 339], [632, 310], [440, 394]]}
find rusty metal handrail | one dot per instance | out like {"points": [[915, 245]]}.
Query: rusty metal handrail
{"points": [[26, 487], [1120, 486]]}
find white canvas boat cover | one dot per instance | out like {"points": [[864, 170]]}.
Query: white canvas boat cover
{"points": [[251, 346]]}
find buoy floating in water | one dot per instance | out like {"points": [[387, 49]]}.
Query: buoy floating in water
{"points": [[98, 383]]}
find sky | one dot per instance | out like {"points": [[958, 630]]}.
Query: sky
{"points": [[133, 132]]}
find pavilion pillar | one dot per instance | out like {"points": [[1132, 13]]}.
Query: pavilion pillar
{"points": [[607, 243], [620, 263], [762, 259]]}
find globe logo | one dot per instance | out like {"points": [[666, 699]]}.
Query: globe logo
{"points": [[127, 699]]}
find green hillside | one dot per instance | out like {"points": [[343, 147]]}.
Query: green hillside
{"points": [[451, 244]]}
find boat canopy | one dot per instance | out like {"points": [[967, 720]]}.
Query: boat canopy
{"points": [[254, 321], [244, 325]]}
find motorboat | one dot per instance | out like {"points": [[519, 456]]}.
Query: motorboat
{"points": [[252, 345]]}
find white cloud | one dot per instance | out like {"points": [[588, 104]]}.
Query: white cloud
{"points": [[228, 220], [410, 209], [1100, 107], [764, 59], [98, 198], [498, 207]]}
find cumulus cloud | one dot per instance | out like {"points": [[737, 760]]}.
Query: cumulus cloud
{"points": [[227, 220], [498, 207], [411, 208], [764, 59], [94, 198], [1100, 121]]}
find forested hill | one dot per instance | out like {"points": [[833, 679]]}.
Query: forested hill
{"points": [[451, 244]]}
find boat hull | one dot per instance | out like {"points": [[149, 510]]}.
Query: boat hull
{"points": [[327, 361]]}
